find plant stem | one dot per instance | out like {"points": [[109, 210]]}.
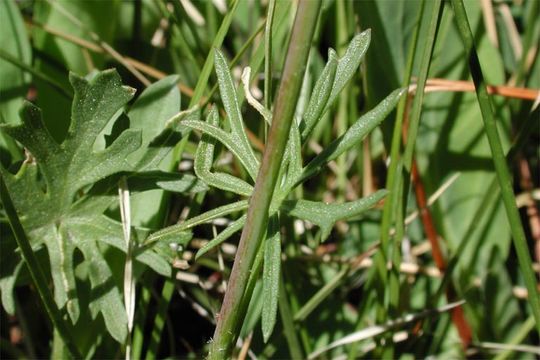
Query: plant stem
{"points": [[257, 218], [39, 280], [503, 174]]}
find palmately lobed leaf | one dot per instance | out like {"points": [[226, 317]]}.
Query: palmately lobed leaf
{"points": [[57, 212], [73, 164]]}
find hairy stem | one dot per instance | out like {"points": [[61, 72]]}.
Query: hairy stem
{"points": [[257, 218]]}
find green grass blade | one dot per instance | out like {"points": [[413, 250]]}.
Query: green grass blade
{"points": [[159, 321], [202, 83], [501, 168], [38, 74], [289, 330], [268, 55], [321, 295]]}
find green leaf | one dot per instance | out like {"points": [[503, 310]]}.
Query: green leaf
{"points": [[230, 102], [348, 64], [320, 95], [333, 79], [356, 133], [226, 139], [271, 275], [292, 158], [224, 235], [166, 233], [204, 159], [60, 255], [166, 140], [326, 215], [107, 231], [7, 284], [150, 112], [105, 295], [173, 182], [69, 166], [62, 189]]}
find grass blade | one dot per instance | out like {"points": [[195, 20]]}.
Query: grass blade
{"points": [[499, 160], [380, 329]]}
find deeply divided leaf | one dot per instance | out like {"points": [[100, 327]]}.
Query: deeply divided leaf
{"points": [[325, 215], [62, 189]]}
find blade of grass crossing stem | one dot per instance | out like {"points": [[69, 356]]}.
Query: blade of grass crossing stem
{"points": [[291, 335], [396, 138], [395, 181], [208, 66], [501, 168], [159, 322], [414, 122], [38, 74], [257, 218], [36, 273], [138, 332], [425, 62], [268, 55]]}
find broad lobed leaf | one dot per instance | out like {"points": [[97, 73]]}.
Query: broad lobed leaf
{"points": [[60, 211]]}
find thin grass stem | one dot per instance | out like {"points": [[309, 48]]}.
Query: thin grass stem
{"points": [[501, 168]]}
